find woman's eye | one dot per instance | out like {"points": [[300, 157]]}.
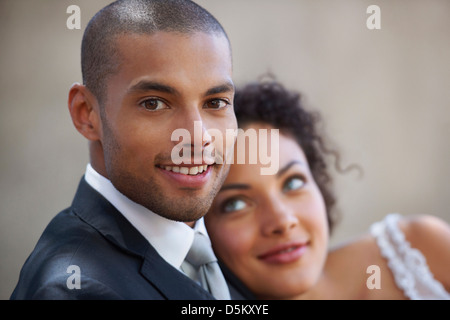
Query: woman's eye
{"points": [[233, 205], [153, 104], [294, 183], [217, 104]]}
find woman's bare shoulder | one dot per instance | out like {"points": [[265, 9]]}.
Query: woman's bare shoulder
{"points": [[426, 233], [422, 229], [352, 264], [431, 236]]}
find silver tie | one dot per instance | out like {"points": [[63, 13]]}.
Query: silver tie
{"points": [[201, 256]]}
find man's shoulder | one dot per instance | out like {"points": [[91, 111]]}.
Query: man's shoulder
{"points": [[67, 236], [71, 250]]}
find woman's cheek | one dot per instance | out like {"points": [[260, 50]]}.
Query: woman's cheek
{"points": [[233, 242]]}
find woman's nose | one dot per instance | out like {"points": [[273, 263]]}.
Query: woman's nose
{"points": [[278, 218]]}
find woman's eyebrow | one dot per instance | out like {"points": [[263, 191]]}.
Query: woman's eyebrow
{"points": [[290, 164], [239, 186], [243, 186]]}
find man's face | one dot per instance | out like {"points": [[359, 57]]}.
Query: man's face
{"points": [[167, 81]]}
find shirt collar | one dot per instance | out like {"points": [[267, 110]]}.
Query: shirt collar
{"points": [[171, 239]]}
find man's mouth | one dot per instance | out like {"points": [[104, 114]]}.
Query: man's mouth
{"points": [[191, 170]]}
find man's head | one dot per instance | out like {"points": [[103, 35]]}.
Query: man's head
{"points": [[149, 68], [99, 52]]}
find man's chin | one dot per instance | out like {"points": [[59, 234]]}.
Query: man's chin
{"points": [[182, 213], [188, 204], [181, 205], [174, 202]]}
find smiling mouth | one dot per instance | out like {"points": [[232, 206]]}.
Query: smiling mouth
{"points": [[284, 253], [191, 170]]}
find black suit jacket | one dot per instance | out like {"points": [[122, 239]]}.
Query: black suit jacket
{"points": [[115, 260]]}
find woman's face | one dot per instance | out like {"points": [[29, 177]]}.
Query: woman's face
{"points": [[271, 230]]}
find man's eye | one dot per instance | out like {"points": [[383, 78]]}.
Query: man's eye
{"points": [[294, 183], [233, 205], [153, 104], [217, 104]]}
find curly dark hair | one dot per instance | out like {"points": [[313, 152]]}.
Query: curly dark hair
{"points": [[271, 103]]}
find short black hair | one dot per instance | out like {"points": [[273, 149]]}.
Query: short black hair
{"points": [[268, 101], [99, 55]]}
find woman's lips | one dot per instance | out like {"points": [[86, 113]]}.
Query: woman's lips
{"points": [[284, 253]]}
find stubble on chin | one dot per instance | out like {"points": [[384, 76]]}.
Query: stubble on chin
{"points": [[191, 206], [188, 207]]}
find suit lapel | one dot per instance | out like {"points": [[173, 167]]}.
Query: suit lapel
{"points": [[238, 290], [170, 282], [95, 210]]}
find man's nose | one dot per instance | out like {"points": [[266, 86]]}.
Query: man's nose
{"points": [[198, 131]]}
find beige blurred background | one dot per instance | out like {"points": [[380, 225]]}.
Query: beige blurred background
{"points": [[384, 95]]}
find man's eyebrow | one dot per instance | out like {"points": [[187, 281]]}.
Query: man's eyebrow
{"points": [[222, 88], [290, 164], [238, 186], [145, 85]]}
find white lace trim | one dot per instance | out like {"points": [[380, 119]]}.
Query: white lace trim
{"points": [[407, 264]]}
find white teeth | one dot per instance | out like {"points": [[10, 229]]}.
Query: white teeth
{"points": [[193, 170], [186, 170]]}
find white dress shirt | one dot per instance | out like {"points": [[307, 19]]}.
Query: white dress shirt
{"points": [[171, 239]]}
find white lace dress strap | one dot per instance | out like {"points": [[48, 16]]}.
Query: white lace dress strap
{"points": [[407, 264]]}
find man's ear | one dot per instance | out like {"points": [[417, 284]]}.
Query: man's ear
{"points": [[84, 111]]}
